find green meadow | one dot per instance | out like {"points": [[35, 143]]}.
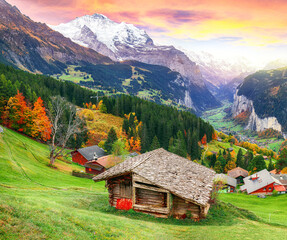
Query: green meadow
{"points": [[40, 202]]}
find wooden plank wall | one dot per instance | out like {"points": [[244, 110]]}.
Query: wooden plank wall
{"points": [[182, 208], [120, 187]]}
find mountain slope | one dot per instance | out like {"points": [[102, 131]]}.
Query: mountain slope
{"points": [[121, 41], [264, 96], [36, 47]]}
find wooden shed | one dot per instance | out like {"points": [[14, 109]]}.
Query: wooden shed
{"points": [[238, 173], [162, 184]]}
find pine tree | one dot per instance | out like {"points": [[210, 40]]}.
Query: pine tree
{"points": [[218, 167], [179, 146], [282, 161], [112, 137], [212, 160], [239, 158], [270, 165], [155, 144], [222, 161], [257, 164]]}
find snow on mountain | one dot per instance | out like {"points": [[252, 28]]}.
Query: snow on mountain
{"points": [[122, 41], [107, 31]]}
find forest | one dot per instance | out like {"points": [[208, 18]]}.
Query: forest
{"points": [[161, 126]]}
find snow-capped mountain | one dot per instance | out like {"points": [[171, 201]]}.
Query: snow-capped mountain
{"points": [[122, 41], [221, 71], [106, 31]]}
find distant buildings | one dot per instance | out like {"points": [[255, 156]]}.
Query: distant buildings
{"points": [[238, 173], [262, 183]]}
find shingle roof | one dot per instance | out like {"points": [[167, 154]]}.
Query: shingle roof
{"points": [[229, 180], [88, 152], [237, 172], [184, 178], [281, 177], [264, 178]]}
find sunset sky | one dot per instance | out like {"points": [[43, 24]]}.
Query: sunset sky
{"points": [[253, 28]]}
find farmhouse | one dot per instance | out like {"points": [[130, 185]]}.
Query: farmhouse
{"points": [[261, 183], [229, 182], [238, 173], [160, 183], [84, 155]]}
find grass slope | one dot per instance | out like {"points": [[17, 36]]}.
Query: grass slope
{"points": [[38, 202]]}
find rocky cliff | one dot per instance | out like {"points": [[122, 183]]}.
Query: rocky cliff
{"points": [[255, 123]]}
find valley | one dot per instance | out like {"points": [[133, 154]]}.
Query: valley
{"points": [[221, 120]]}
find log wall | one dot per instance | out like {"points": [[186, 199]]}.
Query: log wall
{"points": [[120, 187], [184, 209]]}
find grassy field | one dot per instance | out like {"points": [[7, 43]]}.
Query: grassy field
{"points": [[39, 202], [74, 76], [270, 209]]}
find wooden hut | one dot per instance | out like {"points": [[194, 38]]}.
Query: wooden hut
{"points": [[160, 183]]}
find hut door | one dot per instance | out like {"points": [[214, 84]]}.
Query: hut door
{"points": [[126, 189]]}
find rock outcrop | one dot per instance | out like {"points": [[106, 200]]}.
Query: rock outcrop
{"points": [[255, 123]]}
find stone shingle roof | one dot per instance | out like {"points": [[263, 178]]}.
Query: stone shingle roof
{"points": [[180, 176]]}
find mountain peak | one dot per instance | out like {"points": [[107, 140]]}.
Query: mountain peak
{"points": [[99, 16]]}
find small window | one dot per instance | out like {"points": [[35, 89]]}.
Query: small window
{"points": [[264, 189], [270, 189]]}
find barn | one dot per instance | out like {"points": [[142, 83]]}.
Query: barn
{"points": [[84, 155], [160, 183]]}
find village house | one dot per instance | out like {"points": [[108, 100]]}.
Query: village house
{"points": [[282, 178], [87, 154], [261, 183], [238, 173], [160, 183], [229, 182]]}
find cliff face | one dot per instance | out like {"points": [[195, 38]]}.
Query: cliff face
{"points": [[255, 123]]}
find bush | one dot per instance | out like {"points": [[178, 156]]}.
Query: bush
{"points": [[274, 193]]}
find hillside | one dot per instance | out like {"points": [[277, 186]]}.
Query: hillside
{"points": [[40, 202], [264, 95]]}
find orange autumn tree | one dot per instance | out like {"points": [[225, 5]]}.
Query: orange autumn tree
{"points": [[41, 127], [133, 145], [18, 114], [204, 140]]}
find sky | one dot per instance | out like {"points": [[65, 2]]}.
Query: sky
{"points": [[255, 29]]}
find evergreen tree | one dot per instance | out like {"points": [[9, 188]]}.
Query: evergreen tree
{"points": [[155, 144], [270, 165], [239, 159], [218, 167], [282, 161], [247, 159], [112, 137], [257, 164], [179, 146], [212, 160], [222, 161], [195, 149]]}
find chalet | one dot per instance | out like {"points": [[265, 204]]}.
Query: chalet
{"points": [[160, 183], [84, 155], [261, 183], [238, 173], [282, 178], [229, 182]]}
